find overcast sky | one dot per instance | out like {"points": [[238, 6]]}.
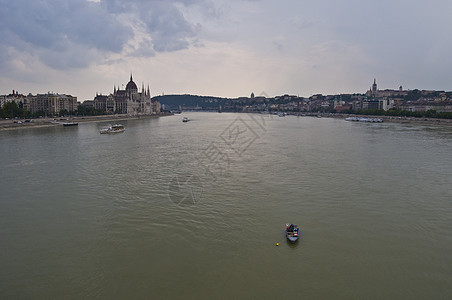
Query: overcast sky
{"points": [[226, 48]]}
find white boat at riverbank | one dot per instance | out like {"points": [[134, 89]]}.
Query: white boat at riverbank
{"points": [[70, 124]]}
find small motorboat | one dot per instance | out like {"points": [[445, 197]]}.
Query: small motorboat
{"points": [[185, 119], [292, 232]]}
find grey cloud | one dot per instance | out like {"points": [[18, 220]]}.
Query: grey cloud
{"points": [[163, 21], [63, 34], [68, 29], [76, 56], [278, 46], [144, 49], [169, 30], [48, 24]]}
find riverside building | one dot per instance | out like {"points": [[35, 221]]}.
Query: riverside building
{"points": [[50, 103]]}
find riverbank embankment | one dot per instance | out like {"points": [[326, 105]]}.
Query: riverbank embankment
{"points": [[6, 124], [395, 119]]}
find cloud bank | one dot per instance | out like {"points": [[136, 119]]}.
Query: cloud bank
{"points": [[225, 48], [72, 33]]}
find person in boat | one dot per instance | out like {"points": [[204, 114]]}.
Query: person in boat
{"points": [[290, 229]]}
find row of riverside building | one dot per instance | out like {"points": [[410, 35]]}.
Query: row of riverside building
{"points": [[129, 101], [50, 103]]}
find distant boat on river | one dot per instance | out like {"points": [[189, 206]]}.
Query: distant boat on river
{"points": [[117, 128], [369, 120]]}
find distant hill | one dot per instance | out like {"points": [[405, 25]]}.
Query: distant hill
{"points": [[173, 102]]}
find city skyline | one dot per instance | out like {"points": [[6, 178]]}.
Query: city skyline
{"points": [[224, 48]]}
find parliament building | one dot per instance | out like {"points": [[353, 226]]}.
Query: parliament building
{"points": [[129, 101]]}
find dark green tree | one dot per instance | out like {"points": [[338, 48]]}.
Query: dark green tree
{"points": [[64, 112], [11, 110]]}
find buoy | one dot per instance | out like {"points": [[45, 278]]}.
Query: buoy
{"points": [[277, 244]]}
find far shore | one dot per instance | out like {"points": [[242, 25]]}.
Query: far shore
{"points": [[389, 119], [59, 121]]}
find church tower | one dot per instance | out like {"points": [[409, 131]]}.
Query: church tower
{"points": [[374, 87]]}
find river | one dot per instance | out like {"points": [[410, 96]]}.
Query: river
{"points": [[174, 210]]}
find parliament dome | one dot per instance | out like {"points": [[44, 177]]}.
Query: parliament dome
{"points": [[131, 86]]}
